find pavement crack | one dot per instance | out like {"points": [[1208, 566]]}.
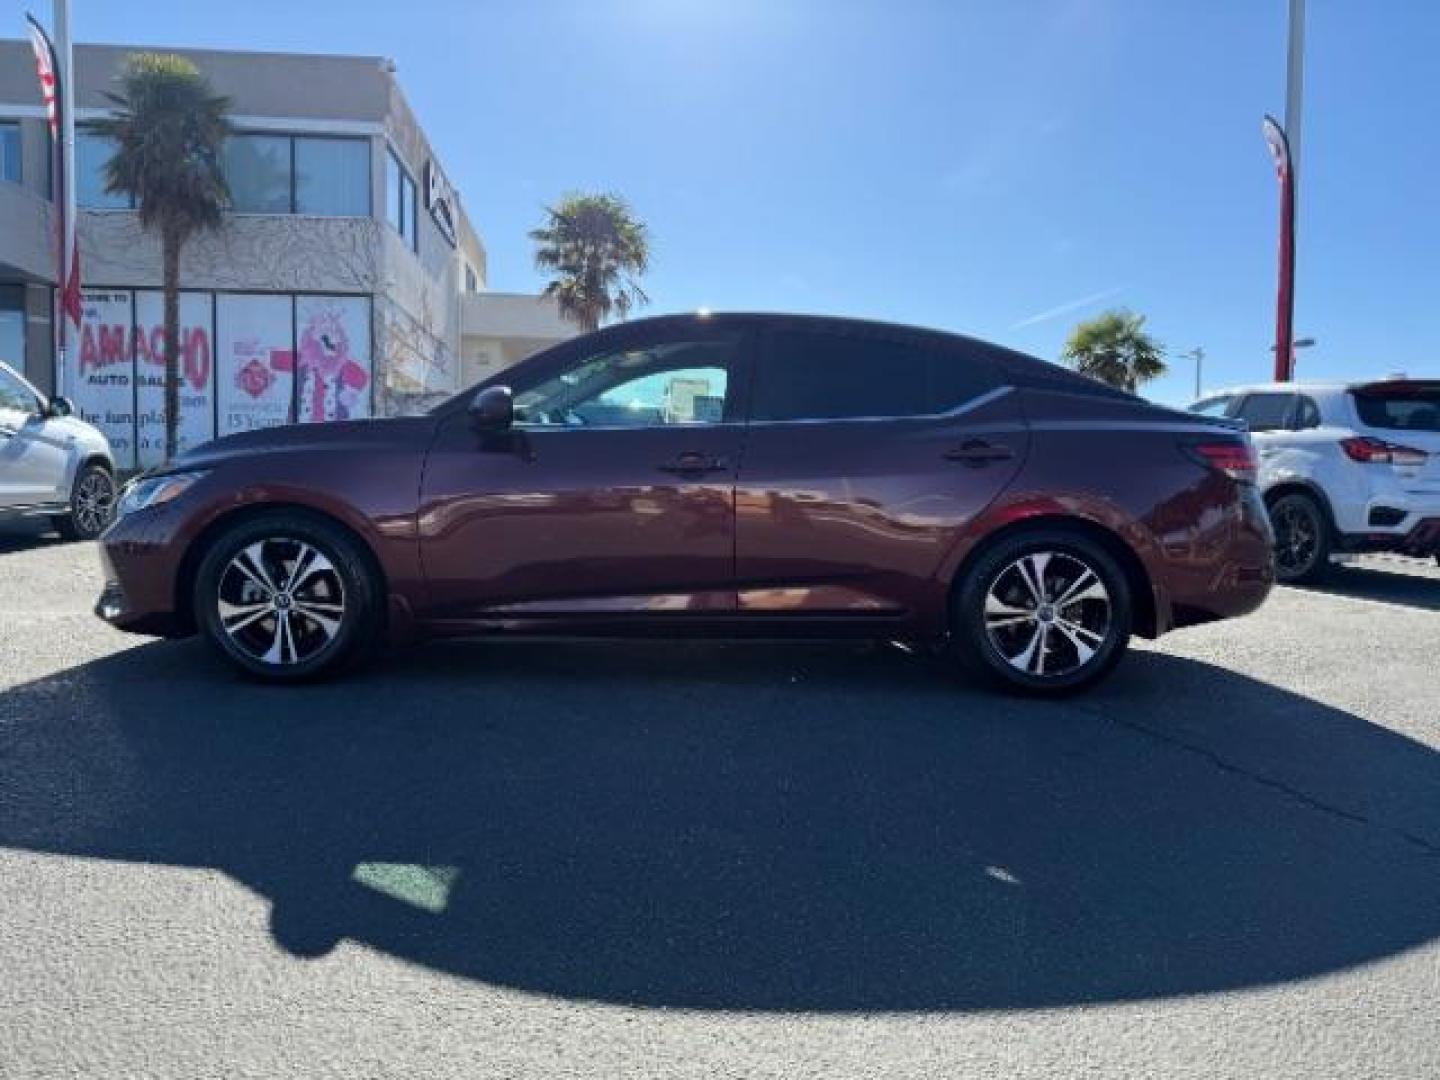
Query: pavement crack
{"points": [[1429, 847]]}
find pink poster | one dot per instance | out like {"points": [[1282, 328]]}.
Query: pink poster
{"points": [[254, 377], [197, 382], [333, 333]]}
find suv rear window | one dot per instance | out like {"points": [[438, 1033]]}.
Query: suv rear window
{"points": [[1399, 409]]}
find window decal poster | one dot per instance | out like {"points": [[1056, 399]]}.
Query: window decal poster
{"points": [[197, 409], [100, 379], [255, 364], [333, 333]]}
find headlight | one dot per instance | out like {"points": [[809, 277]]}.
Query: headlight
{"points": [[146, 491]]}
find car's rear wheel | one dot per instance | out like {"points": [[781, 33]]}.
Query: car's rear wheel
{"points": [[1043, 612], [287, 596], [1302, 539], [92, 504]]}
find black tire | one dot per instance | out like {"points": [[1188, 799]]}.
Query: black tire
{"points": [[92, 504], [997, 652], [331, 615], [1302, 539]]}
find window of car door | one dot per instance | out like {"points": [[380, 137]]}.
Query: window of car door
{"points": [[1216, 406], [822, 376], [1267, 411], [16, 398], [671, 384]]}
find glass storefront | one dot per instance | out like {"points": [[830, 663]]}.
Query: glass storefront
{"points": [[248, 360]]}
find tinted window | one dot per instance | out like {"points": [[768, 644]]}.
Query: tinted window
{"points": [[1408, 409], [332, 177], [1215, 406], [809, 375], [10, 152], [1266, 412], [400, 200], [677, 382], [1307, 414], [257, 168]]}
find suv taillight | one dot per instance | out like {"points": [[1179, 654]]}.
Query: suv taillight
{"points": [[1236, 460], [1371, 451]]}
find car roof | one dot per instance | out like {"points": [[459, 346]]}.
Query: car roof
{"points": [[1320, 386]]}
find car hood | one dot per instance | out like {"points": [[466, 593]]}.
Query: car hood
{"points": [[331, 437]]}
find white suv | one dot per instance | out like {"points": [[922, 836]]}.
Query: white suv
{"points": [[1344, 467], [52, 464]]}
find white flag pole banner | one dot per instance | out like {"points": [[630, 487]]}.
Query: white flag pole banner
{"points": [[334, 369], [100, 376], [197, 371], [254, 362]]}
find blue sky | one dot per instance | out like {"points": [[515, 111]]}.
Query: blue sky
{"points": [[1001, 169]]}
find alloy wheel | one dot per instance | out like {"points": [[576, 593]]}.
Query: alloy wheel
{"points": [[281, 601], [94, 502], [1048, 613], [1297, 539]]}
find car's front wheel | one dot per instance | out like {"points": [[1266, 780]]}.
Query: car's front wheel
{"points": [[287, 596], [92, 504], [1043, 612]]}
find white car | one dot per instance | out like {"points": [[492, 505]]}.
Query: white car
{"points": [[1344, 467], [52, 464]]}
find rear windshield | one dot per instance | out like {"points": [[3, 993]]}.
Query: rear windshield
{"points": [[1412, 409]]}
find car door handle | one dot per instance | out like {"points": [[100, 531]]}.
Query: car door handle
{"points": [[978, 452], [695, 464]]}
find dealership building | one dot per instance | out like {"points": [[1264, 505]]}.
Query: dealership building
{"points": [[346, 281]]}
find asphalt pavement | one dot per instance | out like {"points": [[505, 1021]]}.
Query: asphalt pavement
{"points": [[672, 859]]}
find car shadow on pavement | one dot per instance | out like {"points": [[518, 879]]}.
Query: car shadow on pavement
{"points": [[23, 535], [1406, 585], [752, 827]]}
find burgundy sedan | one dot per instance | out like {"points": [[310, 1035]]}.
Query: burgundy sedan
{"points": [[717, 475]]}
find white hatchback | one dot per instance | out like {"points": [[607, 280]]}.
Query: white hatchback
{"points": [[1344, 467], [52, 464]]}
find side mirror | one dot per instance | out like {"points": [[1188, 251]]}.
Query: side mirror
{"points": [[60, 406], [492, 410]]}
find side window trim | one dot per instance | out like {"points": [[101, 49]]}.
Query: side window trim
{"points": [[978, 401]]}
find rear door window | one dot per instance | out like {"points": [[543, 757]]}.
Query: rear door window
{"points": [[1267, 411], [825, 375], [1400, 409]]}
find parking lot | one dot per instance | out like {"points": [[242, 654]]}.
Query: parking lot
{"points": [[493, 859]]}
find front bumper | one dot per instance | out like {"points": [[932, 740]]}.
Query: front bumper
{"points": [[140, 559]]}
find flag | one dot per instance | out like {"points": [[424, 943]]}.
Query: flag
{"points": [[48, 69]]}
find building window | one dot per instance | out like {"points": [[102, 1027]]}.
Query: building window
{"points": [[472, 280], [332, 177], [400, 194], [10, 152], [92, 152], [298, 174], [257, 169]]}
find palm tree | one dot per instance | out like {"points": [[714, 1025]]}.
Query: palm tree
{"points": [[1114, 348], [169, 129], [597, 250]]}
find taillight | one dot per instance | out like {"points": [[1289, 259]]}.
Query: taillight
{"points": [[1236, 460], [1371, 451]]}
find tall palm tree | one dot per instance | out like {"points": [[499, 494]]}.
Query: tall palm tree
{"points": [[1114, 348], [169, 129], [597, 250]]}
